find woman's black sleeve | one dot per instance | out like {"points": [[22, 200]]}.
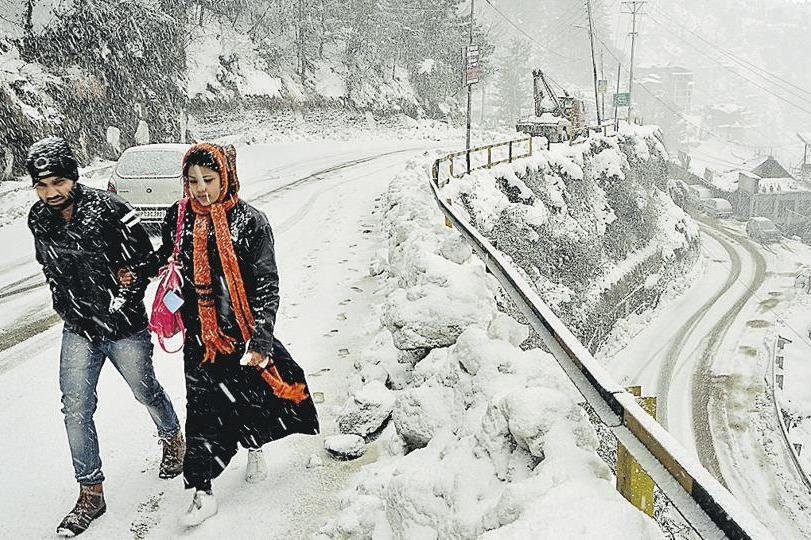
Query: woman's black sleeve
{"points": [[151, 263], [265, 297]]}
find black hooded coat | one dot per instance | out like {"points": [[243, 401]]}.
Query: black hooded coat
{"points": [[230, 404]]}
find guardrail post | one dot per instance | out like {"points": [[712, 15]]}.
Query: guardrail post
{"points": [[633, 482], [435, 172], [510, 155], [451, 167], [530, 146], [448, 222], [489, 156]]}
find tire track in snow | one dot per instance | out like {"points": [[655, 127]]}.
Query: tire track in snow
{"points": [[703, 383], [676, 348]]}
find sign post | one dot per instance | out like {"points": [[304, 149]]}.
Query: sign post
{"points": [[470, 55], [622, 99], [470, 63]]}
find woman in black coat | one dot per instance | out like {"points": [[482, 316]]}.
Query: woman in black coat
{"points": [[242, 386]]}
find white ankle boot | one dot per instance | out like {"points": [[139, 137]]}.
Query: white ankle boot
{"points": [[257, 469], [203, 506]]}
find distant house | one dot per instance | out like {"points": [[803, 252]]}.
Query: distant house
{"points": [[766, 188], [673, 83], [661, 89], [730, 120]]}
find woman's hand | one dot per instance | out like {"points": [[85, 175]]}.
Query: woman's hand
{"points": [[255, 359], [125, 277]]}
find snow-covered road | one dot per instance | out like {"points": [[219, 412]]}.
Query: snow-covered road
{"points": [[321, 199], [698, 357], [269, 169]]}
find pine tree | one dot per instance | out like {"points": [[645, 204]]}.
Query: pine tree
{"points": [[514, 81]]}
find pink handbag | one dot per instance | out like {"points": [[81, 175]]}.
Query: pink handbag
{"points": [[165, 320]]}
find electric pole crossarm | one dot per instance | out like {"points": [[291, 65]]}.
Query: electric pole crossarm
{"points": [[635, 8]]}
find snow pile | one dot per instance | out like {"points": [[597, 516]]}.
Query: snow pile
{"points": [[586, 223], [485, 439], [346, 446], [367, 409]]}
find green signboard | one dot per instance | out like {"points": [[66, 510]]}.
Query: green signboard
{"points": [[623, 99]]}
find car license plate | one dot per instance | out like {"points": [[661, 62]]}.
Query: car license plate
{"points": [[152, 214]]}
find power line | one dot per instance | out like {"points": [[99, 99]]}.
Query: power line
{"points": [[578, 12], [673, 108], [529, 37], [752, 67], [754, 83], [565, 39]]}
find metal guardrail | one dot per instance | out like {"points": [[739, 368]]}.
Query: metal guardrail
{"points": [[709, 508], [513, 147]]}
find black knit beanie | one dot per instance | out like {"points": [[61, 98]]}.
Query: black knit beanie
{"points": [[52, 157]]}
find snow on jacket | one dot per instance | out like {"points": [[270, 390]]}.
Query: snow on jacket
{"points": [[80, 259], [253, 245]]}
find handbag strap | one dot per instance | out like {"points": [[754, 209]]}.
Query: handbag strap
{"points": [[162, 343], [181, 214]]}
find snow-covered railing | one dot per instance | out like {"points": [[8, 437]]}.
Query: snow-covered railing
{"points": [[710, 509], [496, 154]]}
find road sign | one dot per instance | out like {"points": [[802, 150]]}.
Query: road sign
{"points": [[470, 61], [623, 99], [602, 86]]}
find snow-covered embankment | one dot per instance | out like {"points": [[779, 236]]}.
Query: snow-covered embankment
{"points": [[475, 436], [592, 226]]}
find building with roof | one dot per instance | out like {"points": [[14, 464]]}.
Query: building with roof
{"points": [[766, 188]]}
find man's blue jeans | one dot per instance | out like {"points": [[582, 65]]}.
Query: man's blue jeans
{"points": [[79, 369]]}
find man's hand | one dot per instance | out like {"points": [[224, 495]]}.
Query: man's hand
{"points": [[253, 358], [125, 277]]}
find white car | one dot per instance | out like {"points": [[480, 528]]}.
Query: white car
{"points": [[149, 178], [717, 208], [763, 230]]}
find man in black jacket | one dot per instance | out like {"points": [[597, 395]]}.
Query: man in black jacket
{"points": [[82, 236]]}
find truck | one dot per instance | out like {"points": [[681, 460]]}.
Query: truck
{"points": [[558, 118]]}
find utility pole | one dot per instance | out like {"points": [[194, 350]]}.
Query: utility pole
{"points": [[594, 64], [481, 113], [616, 117], [469, 90], [635, 8], [605, 88]]}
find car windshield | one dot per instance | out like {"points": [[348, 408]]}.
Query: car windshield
{"points": [[158, 163]]}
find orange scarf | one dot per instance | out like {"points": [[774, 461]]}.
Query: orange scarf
{"points": [[215, 341]]}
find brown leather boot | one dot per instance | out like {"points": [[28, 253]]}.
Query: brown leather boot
{"points": [[89, 506], [174, 449]]}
